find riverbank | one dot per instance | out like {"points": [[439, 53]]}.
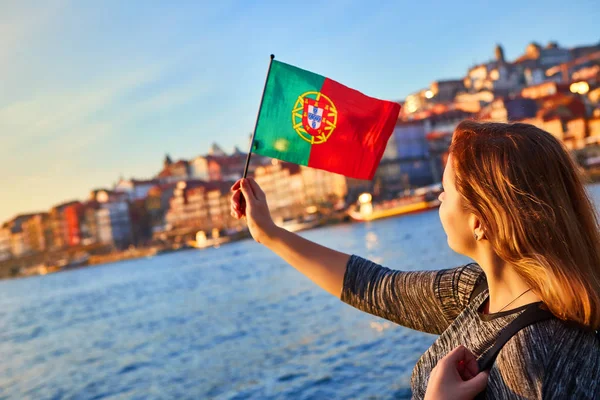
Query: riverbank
{"points": [[38, 264], [68, 259]]}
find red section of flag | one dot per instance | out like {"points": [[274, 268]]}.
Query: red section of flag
{"points": [[363, 128]]}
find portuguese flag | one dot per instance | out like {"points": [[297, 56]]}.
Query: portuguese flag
{"points": [[311, 120]]}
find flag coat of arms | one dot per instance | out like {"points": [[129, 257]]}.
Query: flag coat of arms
{"points": [[311, 120]]}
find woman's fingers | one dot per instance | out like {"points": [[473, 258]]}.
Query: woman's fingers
{"points": [[476, 385], [237, 205], [456, 355], [471, 365], [235, 198], [245, 192], [260, 195], [464, 360], [248, 191], [248, 196], [236, 185]]}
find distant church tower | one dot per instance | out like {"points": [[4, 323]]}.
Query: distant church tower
{"points": [[167, 161], [499, 54]]}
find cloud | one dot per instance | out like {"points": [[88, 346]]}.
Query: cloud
{"points": [[67, 122], [22, 20], [53, 115]]}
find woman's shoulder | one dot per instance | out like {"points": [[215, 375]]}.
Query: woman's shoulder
{"points": [[556, 335], [553, 338], [460, 283], [552, 356]]}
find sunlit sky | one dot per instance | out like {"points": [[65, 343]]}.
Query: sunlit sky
{"points": [[94, 90]]}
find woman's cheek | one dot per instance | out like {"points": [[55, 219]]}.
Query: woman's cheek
{"points": [[444, 217]]}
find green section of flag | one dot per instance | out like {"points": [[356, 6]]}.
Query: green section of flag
{"points": [[275, 135]]}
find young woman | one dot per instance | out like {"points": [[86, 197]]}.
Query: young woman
{"points": [[514, 203]]}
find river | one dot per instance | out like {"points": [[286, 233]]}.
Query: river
{"points": [[228, 323]]}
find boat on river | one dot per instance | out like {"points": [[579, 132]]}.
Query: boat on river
{"points": [[419, 200], [203, 242]]}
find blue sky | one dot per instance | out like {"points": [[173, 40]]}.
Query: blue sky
{"points": [[98, 89]]}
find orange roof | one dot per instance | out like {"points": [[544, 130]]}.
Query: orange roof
{"points": [[164, 173]]}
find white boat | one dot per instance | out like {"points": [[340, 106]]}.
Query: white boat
{"points": [[203, 242]]}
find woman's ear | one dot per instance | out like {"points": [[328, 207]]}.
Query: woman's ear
{"points": [[476, 227]]}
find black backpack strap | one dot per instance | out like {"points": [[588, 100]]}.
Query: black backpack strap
{"points": [[532, 314]]}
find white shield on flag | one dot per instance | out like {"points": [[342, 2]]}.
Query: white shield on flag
{"points": [[315, 116]]}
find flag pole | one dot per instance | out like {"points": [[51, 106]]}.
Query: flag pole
{"points": [[257, 117]]}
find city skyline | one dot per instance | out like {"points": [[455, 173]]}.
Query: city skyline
{"points": [[93, 94]]}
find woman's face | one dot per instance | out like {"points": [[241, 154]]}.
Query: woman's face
{"points": [[454, 217]]}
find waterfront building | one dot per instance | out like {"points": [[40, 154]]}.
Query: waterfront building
{"points": [[73, 214], [135, 189], [38, 232], [445, 91], [18, 243], [199, 169], [113, 223], [5, 243], [200, 205], [157, 204], [509, 110], [544, 90], [173, 172], [59, 225]]}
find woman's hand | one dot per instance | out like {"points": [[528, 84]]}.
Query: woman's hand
{"points": [[456, 377], [250, 201]]}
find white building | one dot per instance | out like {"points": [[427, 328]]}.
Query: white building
{"points": [[497, 77], [103, 226], [114, 223], [199, 169]]}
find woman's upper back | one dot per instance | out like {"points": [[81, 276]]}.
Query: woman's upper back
{"points": [[549, 359]]}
